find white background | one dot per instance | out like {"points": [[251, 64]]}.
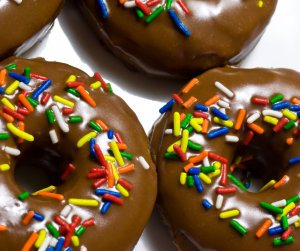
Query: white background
{"points": [[72, 41]]}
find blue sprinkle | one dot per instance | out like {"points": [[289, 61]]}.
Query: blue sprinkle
{"points": [[201, 108], [69, 249], [59, 244], [219, 114], [247, 184], [198, 183], [194, 171], [103, 8], [298, 114], [92, 151], [218, 132], [105, 207], [2, 90], [206, 204], [19, 77], [295, 108], [110, 134], [42, 88], [37, 216], [49, 249], [275, 230], [103, 191], [167, 106], [281, 105], [294, 160], [178, 23]]}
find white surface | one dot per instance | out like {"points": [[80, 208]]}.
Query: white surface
{"points": [[72, 41]]}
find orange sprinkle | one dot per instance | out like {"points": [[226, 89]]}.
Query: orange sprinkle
{"points": [[289, 141], [30, 241], [2, 76], [122, 1], [86, 96], [2, 228], [241, 166], [284, 179], [102, 125], [199, 157], [120, 146], [187, 167], [256, 128], [21, 128], [111, 179], [125, 169], [189, 102], [205, 126], [28, 217], [26, 103], [212, 100], [52, 195], [6, 116], [190, 85], [240, 119], [296, 101], [250, 157], [182, 117], [263, 228]]}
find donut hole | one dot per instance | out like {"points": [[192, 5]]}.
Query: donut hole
{"points": [[38, 168]]}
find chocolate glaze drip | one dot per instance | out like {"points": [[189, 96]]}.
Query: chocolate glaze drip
{"points": [[191, 225]]}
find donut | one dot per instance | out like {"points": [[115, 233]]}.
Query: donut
{"points": [[231, 119], [25, 22], [214, 33], [93, 150]]}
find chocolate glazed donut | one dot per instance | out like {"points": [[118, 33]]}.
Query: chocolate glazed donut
{"points": [[22, 25], [222, 32], [121, 226], [193, 226]]}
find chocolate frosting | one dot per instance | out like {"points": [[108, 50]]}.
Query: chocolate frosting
{"points": [[118, 229], [22, 25], [222, 32], [191, 225]]}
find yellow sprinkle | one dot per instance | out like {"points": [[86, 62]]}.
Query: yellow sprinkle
{"points": [[9, 90], [271, 120], [75, 241], [185, 139], [116, 152], [19, 133], [6, 102], [4, 167], [63, 101], [238, 160], [84, 202], [286, 210], [122, 190], [194, 122], [96, 85], [86, 138], [268, 186], [176, 122], [260, 4], [229, 214], [183, 178], [297, 224], [205, 178], [72, 78], [217, 165], [289, 114], [115, 173], [41, 238], [171, 148], [223, 122], [109, 158], [49, 189], [215, 173]]}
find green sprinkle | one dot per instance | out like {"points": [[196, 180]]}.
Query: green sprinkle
{"points": [[10, 67], [208, 169], [171, 155], [154, 14], [169, 3], [279, 241], [80, 231], [125, 155], [53, 230], [271, 208], [289, 125], [4, 136], [27, 72], [186, 120], [72, 91], [190, 129], [23, 196], [238, 227], [194, 146], [285, 224], [32, 102], [138, 11], [110, 89], [74, 119], [234, 180], [190, 180], [293, 199], [50, 116], [276, 99], [95, 126]]}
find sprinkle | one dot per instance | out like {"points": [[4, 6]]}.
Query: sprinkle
{"points": [[12, 151], [125, 169], [276, 99], [229, 214], [295, 211], [229, 93], [63, 126], [63, 101], [260, 4], [32, 102], [131, 4], [189, 102], [113, 199], [286, 210], [194, 122], [179, 152], [271, 208], [289, 125], [183, 178], [223, 104], [226, 190], [280, 125], [199, 157], [205, 126], [292, 220], [256, 128], [240, 119], [83, 202], [86, 138], [234, 180], [267, 186], [284, 179], [279, 241], [198, 183], [217, 157], [271, 120], [219, 114], [289, 114], [183, 6], [201, 108], [111, 180], [2, 90], [23, 111], [125, 184], [186, 120], [53, 242], [85, 95], [28, 217], [96, 85], [138, 11], [6, 116], [206, 204], [263, 228], [75, 241], [296, 132], [9, 90], [176, 119], [45, 98], [185, 140], [190, 181], [75, 119], [103, 125], [73, 92], [122, 190], [103, 8], [37, 216], [293, 199], [178, 23], [95, 126], [280, 106], [24, 87], [60, 243], [66, 210], [67, 172], [13, 113], [4, 136], [18, 77], [52, 195], [100, 156], [116, 153], [45, 243], [142, 7], [41, 238], [105, 85], [295, 108], [144, 163], [296, 101], [47, 189], [168, 4], [223, 122], [125, 155], [260, 101], [152, 2], [219, 201], [2, 76], [167, 106], [6, 102], [280, 203], [154, 14], [41, 89], [275, 230], [30, 241], [286, 234], [19, 133], [223, 179], [194, 171], [238, 227], [253, 117], [218, 132]]}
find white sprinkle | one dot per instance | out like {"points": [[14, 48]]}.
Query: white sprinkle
{"points": [[224, 89], [169, 131], [144, 163], [129, 4], [53, 242], [230, 138], [18, 1], [24, 87], [53, 136], [273, 113], [219, 201], [12, 151], [253, 117], [67, 209], [280, 203], [83, 248], [45, 244], [205, 161], [223, 104], [293, 219], [63, 126], [223, 110]]}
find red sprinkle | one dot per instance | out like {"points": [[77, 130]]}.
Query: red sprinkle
{"points": [[68, 236], [75, 84], [224, 175], [23, 111], [217, 157], [98, 175], [45, 98], [11, 112], [25, 93], [61, 222], [260, 101], [98, 169], [104, 85], [63, 230], [99, 182], [125, 184], [143, 7], [113, 198], [180, 153], [177, 98], [296, 133], [201, 115], [66, 173], [75, 221], [248, 138], [286, 234], [67, 110], [183, 6], [32, 75], [118, 137], [100, 156], [294, 211], [226, 190], [152, 2], [88, 223], [280, 124]]}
